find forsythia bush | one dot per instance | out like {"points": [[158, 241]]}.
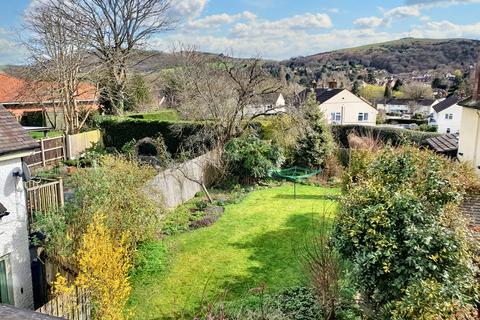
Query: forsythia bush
{"points": [[395, 226], [104, 264]]}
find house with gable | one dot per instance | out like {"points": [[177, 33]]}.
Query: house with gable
{"points": [[447, 115], [469, 139], [341, 106], [15, 272]]}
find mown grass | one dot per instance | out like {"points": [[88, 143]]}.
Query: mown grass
{"points": [[162, 115], [255, 243], [50, 134]]}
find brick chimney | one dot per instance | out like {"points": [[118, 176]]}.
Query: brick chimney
{"points": [[332, 84]]}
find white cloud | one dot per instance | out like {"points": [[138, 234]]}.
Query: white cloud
{"points": [[369, 22], [188, 9], [221, 19]]}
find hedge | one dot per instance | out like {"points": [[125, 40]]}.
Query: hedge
{"points": [[394, 136], [117, 132]]}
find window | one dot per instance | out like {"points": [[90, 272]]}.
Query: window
{"points": [[362, 116], [336, 116], [448, 116], [5, 294]]}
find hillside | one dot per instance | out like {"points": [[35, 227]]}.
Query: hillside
{"points": [[401, 56]]}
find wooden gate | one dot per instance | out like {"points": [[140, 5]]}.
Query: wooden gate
{"points": [[43, 195]]}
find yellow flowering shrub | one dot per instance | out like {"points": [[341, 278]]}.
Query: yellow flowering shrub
{"points": [[104, 263]]}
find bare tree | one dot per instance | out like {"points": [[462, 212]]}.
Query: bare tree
{"points": [[219, 90], [113, 30], [417, 91], [57, 51]]}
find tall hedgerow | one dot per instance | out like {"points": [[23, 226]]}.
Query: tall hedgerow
{"points": [[399, 226]]}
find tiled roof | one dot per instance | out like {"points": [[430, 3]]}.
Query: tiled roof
{"points": [[446, 103], [12, 136], [322, 94], [470, 103], [444, 144], [405, 102], [11, 313], [18, 91], [471, 208]]}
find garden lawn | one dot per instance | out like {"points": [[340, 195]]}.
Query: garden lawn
{"points": [[256, 242]]}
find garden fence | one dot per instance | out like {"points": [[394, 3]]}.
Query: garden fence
{"points": [[43, 195], [51, 151], [71, 306]]}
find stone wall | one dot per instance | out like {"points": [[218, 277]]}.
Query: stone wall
{"points": [[174, 186]]}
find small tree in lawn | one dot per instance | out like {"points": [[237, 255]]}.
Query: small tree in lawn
{"points": [[316, 142]]}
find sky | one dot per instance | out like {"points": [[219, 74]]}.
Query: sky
{"points": [[280, 29]]}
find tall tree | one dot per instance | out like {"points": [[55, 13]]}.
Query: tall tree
{"points": [[388, 92], [113, 30], [58, 52], [316, 143]]}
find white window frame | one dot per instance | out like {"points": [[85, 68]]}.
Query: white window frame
{"points": [[336, 117], [8, 274], [362, 116], [448, 116]]}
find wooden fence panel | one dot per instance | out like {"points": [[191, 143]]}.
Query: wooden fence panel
{"points": [[43, 195], [77, 144], [73, 306], [50, 153]]}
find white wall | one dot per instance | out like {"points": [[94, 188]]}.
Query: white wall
{"points": [[14, 234], [452, 124], [349, 105], [469, 139]]}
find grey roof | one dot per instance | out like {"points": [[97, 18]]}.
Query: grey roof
{"points": [[405, 102], [445, 143], [470, 103], [446, 103], [322, 94], [12, 313], [12, 136]]}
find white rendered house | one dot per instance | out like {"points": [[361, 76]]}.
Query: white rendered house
{"points": [[341, 106], [447, 115], [15, 272]]}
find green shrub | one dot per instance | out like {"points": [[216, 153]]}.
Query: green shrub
{"points": [[114, 188], [315, 143], [394, 227], [393, 136], [427, 128], [250, 159]]}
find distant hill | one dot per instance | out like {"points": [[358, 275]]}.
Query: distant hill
{"points": [[401, 56]]}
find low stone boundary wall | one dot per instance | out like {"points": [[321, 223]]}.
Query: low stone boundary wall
{"points": [[177, 185]]}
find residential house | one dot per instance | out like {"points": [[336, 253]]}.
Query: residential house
{"points": [[15, 274], [447, 115], [341, 106], [267, 104], [39, 101], [469, 141], [407, 106]]}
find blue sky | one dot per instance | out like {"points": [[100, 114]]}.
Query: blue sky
{"points": [[280, 29]]}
